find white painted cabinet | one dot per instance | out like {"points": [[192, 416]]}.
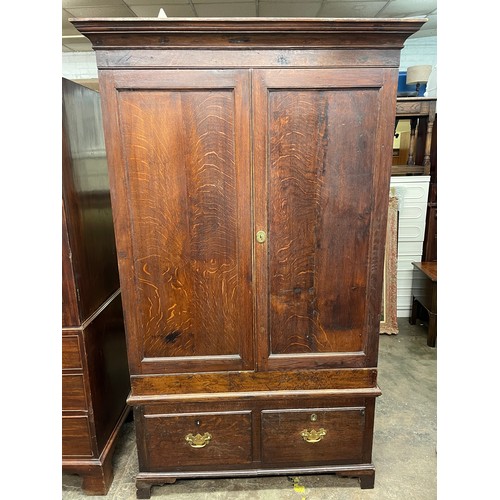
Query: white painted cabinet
{"points": [[412, 193]]}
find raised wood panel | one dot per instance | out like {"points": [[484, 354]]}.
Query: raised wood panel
{"points": [[71, 357], [76, 440], [316, 194], [341, 443], [319, 211], [187, 169], [73, 392], [90, 270], [230, 439]]}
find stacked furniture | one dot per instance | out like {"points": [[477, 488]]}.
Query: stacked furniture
{"points": [[412, 192], [421, 112], [95, 378], [250, 162]]}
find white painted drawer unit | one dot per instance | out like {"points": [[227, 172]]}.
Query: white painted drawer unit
{"points": [[412, 193]]}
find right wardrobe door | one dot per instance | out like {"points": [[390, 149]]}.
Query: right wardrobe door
{"points": [[320, 147]]}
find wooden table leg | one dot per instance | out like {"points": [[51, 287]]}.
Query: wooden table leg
{"points": [[414, 311]]}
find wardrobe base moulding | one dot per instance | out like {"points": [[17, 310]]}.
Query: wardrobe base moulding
{"points": [[364, 472]]}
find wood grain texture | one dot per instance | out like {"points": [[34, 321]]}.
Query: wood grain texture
{"points": [[230, 441], [217, 129], [192, 264], [319, 209], [71, 352], [128, 58], [252, 382], [247, 32], [74, 396], [316, 181], [95, 379], [342, 443], [76, 440], [90, 267]]}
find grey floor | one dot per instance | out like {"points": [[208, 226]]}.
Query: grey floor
{"points": [[404, 448]]}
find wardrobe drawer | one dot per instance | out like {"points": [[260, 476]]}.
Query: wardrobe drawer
{"points": [[73, 392], [76, 440], [313, 435], [188, 439], [71, 353]]}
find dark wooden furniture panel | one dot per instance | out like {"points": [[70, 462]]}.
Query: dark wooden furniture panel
{"points": [[250, 162], [429, 252], [76, 440], [425, 298], [71, 350], [89, 253], [187, 156], [331, 435], [95, 379], [204, 439], [315, 221]]}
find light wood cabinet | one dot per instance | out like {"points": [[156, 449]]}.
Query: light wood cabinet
{"points": [[250, 162]]}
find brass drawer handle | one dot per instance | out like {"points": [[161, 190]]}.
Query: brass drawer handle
{"points": [[198, 441], [313, 436]]}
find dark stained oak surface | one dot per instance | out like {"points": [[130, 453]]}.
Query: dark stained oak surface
{"points": [[95, 378], [250, 162], [89, 254], [188, 181], [428, 268]]}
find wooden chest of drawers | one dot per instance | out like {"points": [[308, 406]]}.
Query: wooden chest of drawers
{"points": [[95, 378], [250, 162]]}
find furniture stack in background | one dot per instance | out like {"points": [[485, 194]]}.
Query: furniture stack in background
{"points": [[95, 378], [412, 193]]}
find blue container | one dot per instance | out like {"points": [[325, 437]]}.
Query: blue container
{"points": [[409, 90]]}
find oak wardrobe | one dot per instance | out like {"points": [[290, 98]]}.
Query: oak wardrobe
{"points": [[250, 161]]}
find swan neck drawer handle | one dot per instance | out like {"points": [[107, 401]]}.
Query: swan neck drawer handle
{"points": [[313, 436], [198, 441]]}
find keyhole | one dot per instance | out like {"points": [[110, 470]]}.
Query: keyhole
{"points": [[261, 236]]}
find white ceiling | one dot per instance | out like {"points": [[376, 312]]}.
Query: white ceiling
{"points": [[73, 41]]}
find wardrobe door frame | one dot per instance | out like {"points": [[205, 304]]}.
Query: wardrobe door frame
{"points": [[383, 82], [112, 82]]}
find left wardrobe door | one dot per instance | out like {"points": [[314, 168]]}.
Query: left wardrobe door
{"points": [[180, 168]]}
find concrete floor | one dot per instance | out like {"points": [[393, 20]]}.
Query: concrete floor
{"points": [[404, 448]]}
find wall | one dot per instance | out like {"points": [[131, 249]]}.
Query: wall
{"points": [[416, 51], [79, 65]]}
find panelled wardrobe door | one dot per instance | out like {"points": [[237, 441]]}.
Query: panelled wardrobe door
{"points": [[318, 137], [184, 187]]}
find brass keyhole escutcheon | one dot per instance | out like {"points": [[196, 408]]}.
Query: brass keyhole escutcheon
{"points": [[314, 417], [261, 236]]}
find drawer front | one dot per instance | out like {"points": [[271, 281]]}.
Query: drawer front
{"points": [[71, 353], [76, 440], [73, 393], [202, 439], [313, 436]]}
